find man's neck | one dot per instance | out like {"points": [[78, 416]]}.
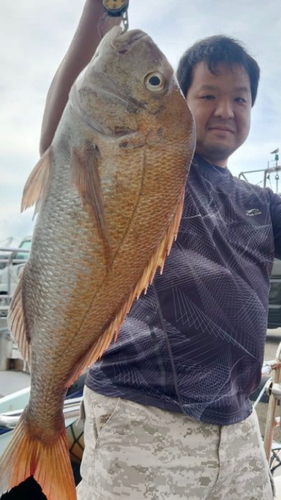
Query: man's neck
{"points": [[219, 163]]}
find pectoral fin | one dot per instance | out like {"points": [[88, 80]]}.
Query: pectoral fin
{"points": [[86, 178]]}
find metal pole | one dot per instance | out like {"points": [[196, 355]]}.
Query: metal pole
{"points": [[272, 405]]}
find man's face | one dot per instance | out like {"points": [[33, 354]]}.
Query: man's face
{"points": [[221, 106]]}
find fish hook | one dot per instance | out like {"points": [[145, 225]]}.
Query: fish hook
{"points": [[115, 8]]}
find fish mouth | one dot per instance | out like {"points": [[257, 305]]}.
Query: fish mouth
{"points": [[122, 41]]}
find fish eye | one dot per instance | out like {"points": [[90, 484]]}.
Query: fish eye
{"points": [[155, 81]]}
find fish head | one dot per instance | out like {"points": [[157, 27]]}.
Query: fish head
{"points": [[129, 86]]}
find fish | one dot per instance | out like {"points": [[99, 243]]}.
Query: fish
{"points": [[108, 196]]}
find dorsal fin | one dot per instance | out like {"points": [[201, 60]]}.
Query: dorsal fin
{"points": [[37, 182], [85, 176]]}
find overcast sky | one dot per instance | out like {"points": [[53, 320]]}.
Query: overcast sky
{"points": [[35, 35]]}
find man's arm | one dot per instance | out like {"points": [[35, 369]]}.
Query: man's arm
{"points": [[80, 52]]}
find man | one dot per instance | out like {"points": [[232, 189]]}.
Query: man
{"points": [[167, 407]]}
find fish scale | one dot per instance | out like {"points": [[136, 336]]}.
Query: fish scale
{"points": [[109, 197]]}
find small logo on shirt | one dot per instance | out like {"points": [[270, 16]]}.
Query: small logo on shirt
{"points": [[253, 212]]}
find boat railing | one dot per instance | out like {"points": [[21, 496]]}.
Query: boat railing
{"points": [[12, 261], [273, 390], [71, 409], [8, 275]]}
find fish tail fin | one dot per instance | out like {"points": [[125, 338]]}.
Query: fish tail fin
{"points": [[48, 464]]}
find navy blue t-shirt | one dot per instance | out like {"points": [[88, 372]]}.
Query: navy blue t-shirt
{"points": [[195, 342]]}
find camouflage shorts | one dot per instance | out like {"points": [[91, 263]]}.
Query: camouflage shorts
{"points": [[133, 452]]}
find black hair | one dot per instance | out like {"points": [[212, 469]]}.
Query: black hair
{"points": [[213, 51]]}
